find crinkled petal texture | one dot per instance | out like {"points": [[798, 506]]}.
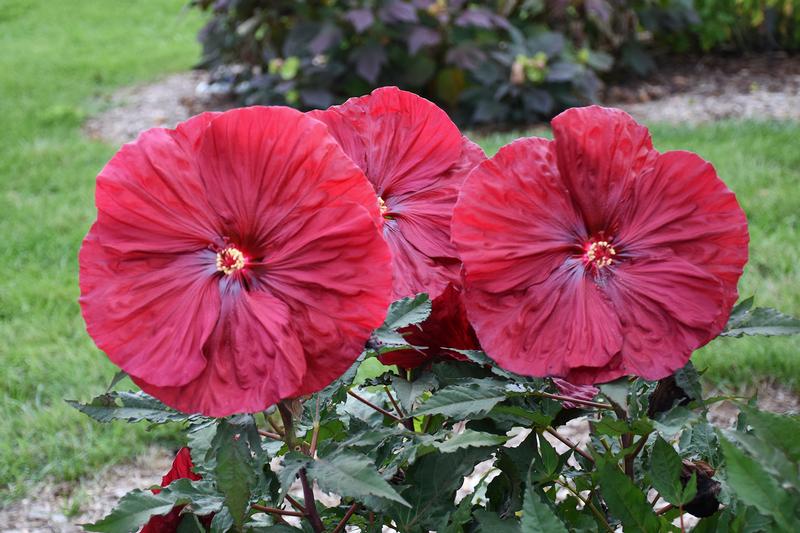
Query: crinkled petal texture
{"points": [[235, 261], [416, 159], [446, 330], [594, 256]]}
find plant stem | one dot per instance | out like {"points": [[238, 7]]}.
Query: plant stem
{"points": [[569, 443], [598, 405], [273, 510], [627, 441], [315, 433], [379, 409], [667, 508], [274, 427], [394, 402], [269, 434], [288, 424], [310, 504], [587, 503], [347, 515], [297, 505], [629, 459], [308, 493], [407, 422]]}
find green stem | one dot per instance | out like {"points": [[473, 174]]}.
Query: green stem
{"points": [[588, 504]]}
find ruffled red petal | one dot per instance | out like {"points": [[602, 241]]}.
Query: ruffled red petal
{"points": [[261, 165], [315, 279], [524, 225], [254, 359], [514, 223], [150, 313], [668, 308], [333, 273], [600, 151], [149, 196], [416, 159], [683, 206]]}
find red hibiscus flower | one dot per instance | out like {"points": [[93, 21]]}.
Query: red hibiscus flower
{"points": [[594, 256], [235, 261], [181, 468], [416, 159], [446, 327]]}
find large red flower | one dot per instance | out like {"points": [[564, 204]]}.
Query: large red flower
{"points": [[447, 327], [593, 255], [182, 467], [235, 261], [416, 159]]}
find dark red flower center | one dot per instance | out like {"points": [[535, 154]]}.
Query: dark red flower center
{"points": [[230, 260], [599, 253]]}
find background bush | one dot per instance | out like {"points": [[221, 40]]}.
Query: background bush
{"points": [[502, 61]]}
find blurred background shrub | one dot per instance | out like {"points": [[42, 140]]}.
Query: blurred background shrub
{"points": [[501, 61]]}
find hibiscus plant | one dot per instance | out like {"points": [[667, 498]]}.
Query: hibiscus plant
{"points": [[363, 324]]}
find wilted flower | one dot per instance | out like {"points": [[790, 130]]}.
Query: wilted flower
{"points": [[235, 261], [594, 256], [416, 159]]}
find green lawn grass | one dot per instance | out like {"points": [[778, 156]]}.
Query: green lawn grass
{"points": [[57, 56]]}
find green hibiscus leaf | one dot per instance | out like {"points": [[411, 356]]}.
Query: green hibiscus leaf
{"points": [[473, 399], [351, 474], [130, 406], [665, 472], [538, 517], [625, 500], [137, 507], [747, 320]]}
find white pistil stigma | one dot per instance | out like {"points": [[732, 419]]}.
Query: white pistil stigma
{"points": [[382, 206], [230, 260]]}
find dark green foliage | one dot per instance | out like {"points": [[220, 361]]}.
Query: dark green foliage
{"points": [[746, 320], [485, 62], [406, 472], [129, 406]]}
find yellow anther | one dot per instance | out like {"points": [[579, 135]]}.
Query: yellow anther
{"points": [[600, 253], [230, 260]]}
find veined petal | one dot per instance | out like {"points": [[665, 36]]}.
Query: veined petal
{"points": [[401, 141], [563, 322], [681, 205], [261, 164], [149, 196], [424, 216], [514, 222], [600, 150], [416, 159], [150, 313], [255, 359], [667, 308], [332, 271]]}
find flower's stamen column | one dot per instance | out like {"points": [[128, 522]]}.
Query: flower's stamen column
{"points": [[230, 260]]}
